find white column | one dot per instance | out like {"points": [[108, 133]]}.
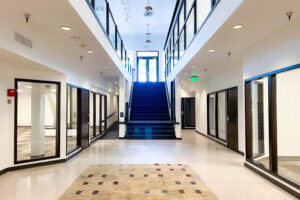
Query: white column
{"points": [[37, 120], [122, 101], [178, 106]]}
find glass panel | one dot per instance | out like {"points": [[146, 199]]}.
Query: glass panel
{"points": [[147, 53], [97, 107], [222, 128], [260, 121], [72, 119], [189, 4], [36, 120], [288, 126], [181, 44], [175, 55], [103, 117], [142, 77], [153, 70], [181, 18], [119, 46], [203, 9], [190, 28], [212, 114], [91, 115], [100, 9], [176, 32], [112, 30]]}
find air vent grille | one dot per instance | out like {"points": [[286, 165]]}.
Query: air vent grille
{"points": [[23, 40]]}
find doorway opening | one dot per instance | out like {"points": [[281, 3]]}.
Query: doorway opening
{"points": [[147, 66]]}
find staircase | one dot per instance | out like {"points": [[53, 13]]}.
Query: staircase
{"points": [[149, 117]]}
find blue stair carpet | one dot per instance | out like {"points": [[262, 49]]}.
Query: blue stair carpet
{"points": [[149, 117]]}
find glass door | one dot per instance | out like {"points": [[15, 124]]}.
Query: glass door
{"points": [[147, 69]]}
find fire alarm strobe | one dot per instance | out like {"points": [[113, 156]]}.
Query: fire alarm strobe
{"points": [[11, 92]]}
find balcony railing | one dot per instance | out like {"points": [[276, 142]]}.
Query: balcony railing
{"points": [[189, 17], [105, 18]]}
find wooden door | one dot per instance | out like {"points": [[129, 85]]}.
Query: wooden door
{"points": [[232, 114]]}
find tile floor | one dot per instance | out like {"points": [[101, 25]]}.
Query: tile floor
{"points": [[221, 169]]}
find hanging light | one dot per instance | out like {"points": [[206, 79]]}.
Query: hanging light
{"points": [[148, 41], [148, 10]]}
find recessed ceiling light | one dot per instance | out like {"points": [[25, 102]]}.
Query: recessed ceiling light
{"points": [[238, 26], [211, 50], [89, 52], [106, 67], [66, 28]]}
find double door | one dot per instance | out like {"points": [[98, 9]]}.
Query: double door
{"points": [[147, 69]]}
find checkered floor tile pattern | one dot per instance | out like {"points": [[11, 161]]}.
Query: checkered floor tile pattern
{"points": [[139, 182]]}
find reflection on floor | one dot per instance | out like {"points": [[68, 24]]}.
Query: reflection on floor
{"points": [[287, 167], [221, 169], [24, 143], [72, 139]]}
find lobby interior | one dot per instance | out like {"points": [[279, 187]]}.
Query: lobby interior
{"points": [[127, 99]]}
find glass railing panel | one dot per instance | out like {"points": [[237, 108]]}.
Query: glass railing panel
{"points": [[189, 4], [203, 9], [181, 17], [181, 44], [100, 10], [119, 45], [112, 30], [190, 27]]}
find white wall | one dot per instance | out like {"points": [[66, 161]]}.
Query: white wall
{"points": [[288, 113], [230, 77], [279, 50], [7, 77], [186, 92]]}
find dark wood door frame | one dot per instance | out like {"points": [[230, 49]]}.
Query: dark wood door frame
{"points": [[216, 116], [232, 122]]}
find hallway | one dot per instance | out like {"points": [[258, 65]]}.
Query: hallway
{"points": [[220, 168]]}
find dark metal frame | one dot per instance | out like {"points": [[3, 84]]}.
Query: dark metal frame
{"points": [[106, 30], [273, 156], [78, 121], [216, 114], [147, 64], [95, 135], [58, 105], [171, 33]]}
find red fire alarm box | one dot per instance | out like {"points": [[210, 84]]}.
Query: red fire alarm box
{"points": [[11, 92]]}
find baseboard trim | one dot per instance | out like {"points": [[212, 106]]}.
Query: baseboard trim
{"points": [[219, 142], [274, 181], [32, 165]]}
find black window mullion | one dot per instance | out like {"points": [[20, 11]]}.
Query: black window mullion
{"points": [[248, 116], [107, 18], [216, 114], [100, 111], [272, 123], [94, 111]]}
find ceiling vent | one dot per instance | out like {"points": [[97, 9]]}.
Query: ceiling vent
{"points": [[23, 40]]}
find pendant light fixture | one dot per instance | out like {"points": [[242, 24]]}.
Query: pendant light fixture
{"points": [[148, 10], [148, 41]]}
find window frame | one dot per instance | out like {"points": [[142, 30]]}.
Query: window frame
{"points": [[58, 113]]}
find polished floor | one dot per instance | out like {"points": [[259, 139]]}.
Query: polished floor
{"points": [[221, 169]]}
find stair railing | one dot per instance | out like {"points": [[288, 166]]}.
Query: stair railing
{"points": [[128, 105], [168, 99]]}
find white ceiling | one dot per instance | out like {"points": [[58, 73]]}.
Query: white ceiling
{"points": [[270, 15], [133, 33]]}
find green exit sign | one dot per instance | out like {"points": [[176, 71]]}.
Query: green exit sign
{"points": [[194, 77]]}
